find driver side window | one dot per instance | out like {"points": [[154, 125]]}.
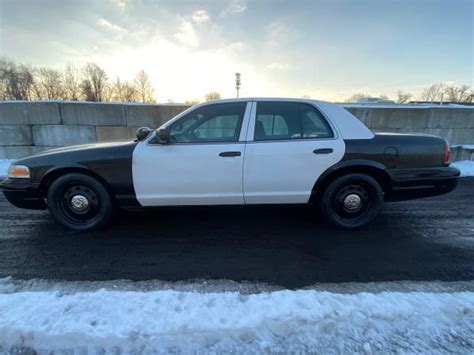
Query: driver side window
{"points": [[214, 123]]}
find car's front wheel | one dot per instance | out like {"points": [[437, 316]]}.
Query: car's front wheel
{"points": [[79, 202], [352, 201]]}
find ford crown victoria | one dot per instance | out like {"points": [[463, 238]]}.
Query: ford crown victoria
{"points": [[238, 152]]}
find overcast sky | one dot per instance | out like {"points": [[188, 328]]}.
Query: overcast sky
{"points": [[324, 49]]}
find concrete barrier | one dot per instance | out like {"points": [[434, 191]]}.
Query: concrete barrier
{"points": [[15, 135], [93, 114], [21, 112], [62, 135], [455, 124], [27, 128], [30, 127], [462, 153]]}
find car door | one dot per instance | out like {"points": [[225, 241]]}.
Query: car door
{"points": [[202, 163], [289, 145]]}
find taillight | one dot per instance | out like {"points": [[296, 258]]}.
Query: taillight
{"points": [[447, 154]]}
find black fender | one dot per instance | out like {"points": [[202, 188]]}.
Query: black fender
{"points": [[110, 163], [372, 168], [56, 171]]}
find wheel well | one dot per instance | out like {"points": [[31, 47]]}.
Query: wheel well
{"points": [[378, 174], [53, 175]]}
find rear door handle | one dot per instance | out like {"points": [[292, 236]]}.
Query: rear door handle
{"points": [[230, 154], [323, 151]]}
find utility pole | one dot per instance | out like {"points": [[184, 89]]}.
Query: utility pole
{"points": [[237, 83]]}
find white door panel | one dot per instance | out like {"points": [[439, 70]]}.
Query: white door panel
{"points": [[191, 169], [285, 172], [187, 174]]}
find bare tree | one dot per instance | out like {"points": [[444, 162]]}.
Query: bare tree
{"points": [[116, 94], [145, 90], [5, 87], [94, 83], [26, 79], [433, 93], [129, 92], [458, 93], [37, 88], [16, 80], [50, 83], [403, 97], [124, 91], [71, 83], [212, 96]]}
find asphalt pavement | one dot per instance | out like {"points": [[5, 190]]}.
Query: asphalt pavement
{"points": [[427, 239]]}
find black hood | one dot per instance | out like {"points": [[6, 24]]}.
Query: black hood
{"points": [[105, 159], [82, 147]]}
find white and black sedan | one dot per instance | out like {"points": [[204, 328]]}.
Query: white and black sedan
{"points": [[238, 152]]}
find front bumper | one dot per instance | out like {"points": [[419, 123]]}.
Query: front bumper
{"points": [[409, 184], [23, 193]]}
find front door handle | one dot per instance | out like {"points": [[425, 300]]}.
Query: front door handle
{"points": [[323, 151], [230, 154]]}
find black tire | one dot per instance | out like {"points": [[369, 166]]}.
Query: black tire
{"points": [[92, 207], [352, 201]]}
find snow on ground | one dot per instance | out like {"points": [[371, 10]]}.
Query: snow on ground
{"points": [[103, 320], [4, 165], [466, 167]]}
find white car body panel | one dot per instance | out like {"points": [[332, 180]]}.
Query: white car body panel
{"points": [[285, 171], [349, 126], [188, 173], [266, 172]]}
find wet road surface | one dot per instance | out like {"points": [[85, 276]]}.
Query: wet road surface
{"points": [[428, 239]]}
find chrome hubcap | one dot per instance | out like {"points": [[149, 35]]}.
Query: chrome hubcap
{"points": [[352, 202], [79, 203]]}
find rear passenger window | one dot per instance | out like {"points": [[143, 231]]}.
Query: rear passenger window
{"points": [[314, 124], [289, 120], [274, 124]]}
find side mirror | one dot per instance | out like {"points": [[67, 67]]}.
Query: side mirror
{"points": [[142, 133], [163, 136]]}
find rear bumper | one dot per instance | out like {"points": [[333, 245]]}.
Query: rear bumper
{"points": [[22, 193], [409, 184]]}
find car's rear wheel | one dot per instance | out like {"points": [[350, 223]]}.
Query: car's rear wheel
{"points": [[79, 202], [352, 201]]}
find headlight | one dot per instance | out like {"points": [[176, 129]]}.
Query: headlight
{"points": [[18, 172]]}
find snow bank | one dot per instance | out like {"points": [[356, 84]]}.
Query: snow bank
{"points": [[464, 146], [281, 321], [466, 167], [4, 165]]}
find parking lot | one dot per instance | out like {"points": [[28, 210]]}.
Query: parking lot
{"points": [[428, 239]]}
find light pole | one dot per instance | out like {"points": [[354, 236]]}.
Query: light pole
{"points": [[237, 83]]}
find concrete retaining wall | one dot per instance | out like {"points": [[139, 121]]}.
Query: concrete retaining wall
{"points": [[455, 124], [30, 127], [462, 153]]}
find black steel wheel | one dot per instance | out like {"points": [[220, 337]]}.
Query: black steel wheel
{"points": [[79, 202], [352, 201]]}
